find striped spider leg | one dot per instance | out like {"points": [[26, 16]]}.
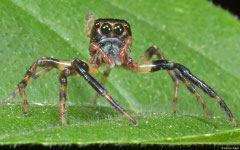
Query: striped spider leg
{"points": [[184, 75], [103, 81], [176, 77], [69, 68]]}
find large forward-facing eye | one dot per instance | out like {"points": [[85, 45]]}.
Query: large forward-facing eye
{"points": [[106, 28], [118, 29]]}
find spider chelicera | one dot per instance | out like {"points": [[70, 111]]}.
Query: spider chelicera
{"points": [[110, 44]]}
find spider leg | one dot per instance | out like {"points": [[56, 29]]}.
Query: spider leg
{"points": [[193, 90], [14, 94], [82, 69], [32, 78], [154, 50], [63, 91], [152, 66], [103, 80], [29, 76]]}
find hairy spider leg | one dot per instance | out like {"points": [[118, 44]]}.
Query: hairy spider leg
{"points": [[32, 78], [152, 66], [82, 70], [103, 80], [154, 50]]}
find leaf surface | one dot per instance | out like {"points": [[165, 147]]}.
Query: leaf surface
{"points": [[194, 33]]}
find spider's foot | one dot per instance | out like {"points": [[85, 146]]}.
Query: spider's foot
{"points": [[5, 101], [234, 122], [63, 121], [94, 102], [136, 123], [25, 113], [209, 114]]}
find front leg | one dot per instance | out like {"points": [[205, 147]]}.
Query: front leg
{"points": [[82, 69], [103, 80], [183, 73]]}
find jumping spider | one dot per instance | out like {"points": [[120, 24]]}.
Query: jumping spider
{"points": [[110, 44]]}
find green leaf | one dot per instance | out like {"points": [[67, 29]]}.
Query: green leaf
{"points": [[194, 33]]}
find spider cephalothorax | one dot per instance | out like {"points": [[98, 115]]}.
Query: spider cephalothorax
{"points": [[110, 43]]}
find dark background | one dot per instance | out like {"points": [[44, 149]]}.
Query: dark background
{"points": [[233, 6]]}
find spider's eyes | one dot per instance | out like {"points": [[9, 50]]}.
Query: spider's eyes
{"points": [[118, 29], [127, 26], [106, 28], [97, 24]]}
